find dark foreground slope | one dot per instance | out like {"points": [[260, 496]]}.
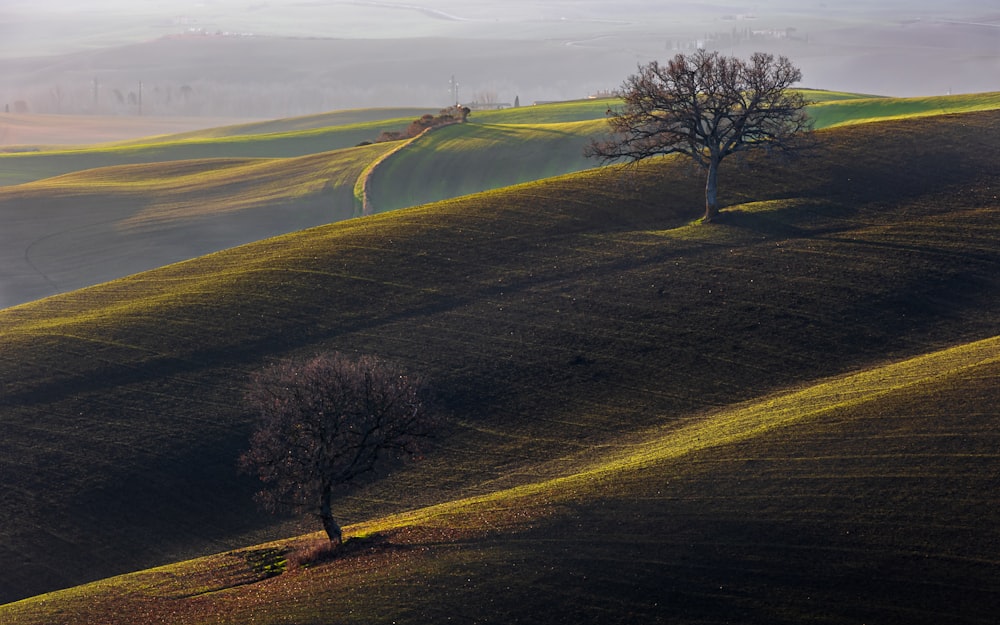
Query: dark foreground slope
{"points": [[862, 498], [551, 317]]}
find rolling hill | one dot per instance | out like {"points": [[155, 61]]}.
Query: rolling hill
{"points": [[290, 137], [79, 229], [25, 132], [593, 352], [500, 148], [19, 168], [784, 510], [830, 111], [168, 206], [357, 119], [468, 158]]}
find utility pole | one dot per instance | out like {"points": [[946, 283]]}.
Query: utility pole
{"points": [[454, 89]]}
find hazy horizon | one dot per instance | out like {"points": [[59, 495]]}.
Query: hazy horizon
{"points": [[255, 59]]}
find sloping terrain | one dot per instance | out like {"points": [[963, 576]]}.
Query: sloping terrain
{"points": [[861, 110], [469, 158], [291, 137], [499, 148], [25, 132], [188, 203], [553, 318], [311, 134], [858, 498], [20, 168], [349, 117], [533, 143], [79, 229], [109, 220]]}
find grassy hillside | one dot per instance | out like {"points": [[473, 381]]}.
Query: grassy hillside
{"points": [[469, 158], [67, 231], [79, 229], [290, 137], [340, 129], [835, 112], [555, 318], [59, 220], [32, 166], [793, 509], [350, 117], [550, 113], [27, 132], [502, 148], [830, 108]]}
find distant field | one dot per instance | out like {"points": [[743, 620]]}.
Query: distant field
{"points": [[469, 158], [21, 168], [497, 149], [390, 117], [578, 326], [551, 113], [340, 129], [75, 230], [860, 111], [31, 132]]}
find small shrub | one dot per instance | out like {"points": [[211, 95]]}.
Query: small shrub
{"points": [[446, 117]]}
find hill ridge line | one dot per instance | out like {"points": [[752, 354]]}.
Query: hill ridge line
{"points": [[362, 188], [748, 420]]}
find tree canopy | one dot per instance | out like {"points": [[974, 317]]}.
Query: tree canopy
{"points": [[707, 107], [323, 423]]}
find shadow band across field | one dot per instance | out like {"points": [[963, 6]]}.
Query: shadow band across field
{"points": [[775, 510]]}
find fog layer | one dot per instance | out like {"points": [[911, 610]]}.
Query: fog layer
{"points": [[267, 59]]}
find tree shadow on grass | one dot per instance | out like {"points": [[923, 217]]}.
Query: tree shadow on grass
{"points": [[784, 222], [320, 551]]}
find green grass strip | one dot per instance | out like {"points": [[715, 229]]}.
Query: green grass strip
{"points": [[729, 426]]}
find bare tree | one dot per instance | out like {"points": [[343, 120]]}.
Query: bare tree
{"points": [[324, 422], [707, 107], [487, 98]]}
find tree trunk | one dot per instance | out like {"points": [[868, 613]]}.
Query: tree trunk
{"points": [[326, 516], [711, 192]]}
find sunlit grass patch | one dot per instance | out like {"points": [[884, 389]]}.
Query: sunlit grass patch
{"points": [[644, 449], [474, 157], [390, 117], [860, 111], [823, 95], [555, 112], [21, 168]]}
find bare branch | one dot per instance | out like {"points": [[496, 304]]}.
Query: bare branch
{"points": [[706, 107], [323, 423]]}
